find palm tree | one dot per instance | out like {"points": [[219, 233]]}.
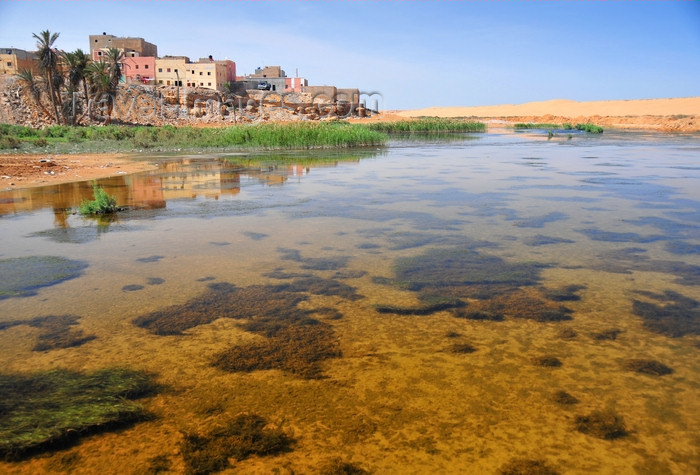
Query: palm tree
{"points": [[97, 75], [26, 77], [114, 59], [77, 62], [48, 65]]}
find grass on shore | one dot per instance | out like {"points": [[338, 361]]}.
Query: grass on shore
{"points": [[430, 125], [293, 135]]}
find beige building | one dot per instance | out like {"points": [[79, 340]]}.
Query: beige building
{"points": [[269, 72], [13, 60], [171, 70], [132, 47], [211, 74]]}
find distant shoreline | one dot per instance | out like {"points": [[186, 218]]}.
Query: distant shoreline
{"points": [[667, 115]]}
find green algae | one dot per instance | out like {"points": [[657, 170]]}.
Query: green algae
{"points": [[22, 276], [52, 409]]}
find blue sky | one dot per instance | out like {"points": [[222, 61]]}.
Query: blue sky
{"points": [[416, 53]]}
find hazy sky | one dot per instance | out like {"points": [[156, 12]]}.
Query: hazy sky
{"points": [[416, 53]]}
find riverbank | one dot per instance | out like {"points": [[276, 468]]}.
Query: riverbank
{"points": [[26, 171]]}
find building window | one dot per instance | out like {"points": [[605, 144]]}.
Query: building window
{"points": [[160, 81], [201, 84], [99, 53], [136, 67], [168, 69], [208, 73], [168, 83], [176, 70], [209, 84], [9, 64], [200, 73], [160, 70], [145, 66]]}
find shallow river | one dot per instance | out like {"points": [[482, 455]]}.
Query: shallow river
{"points": [[436, 306]]}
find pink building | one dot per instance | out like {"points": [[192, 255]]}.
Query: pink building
{"points": [[294, 84], [139, 69]]}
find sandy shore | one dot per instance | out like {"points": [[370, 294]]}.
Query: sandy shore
{"points": [[26, 171], [666, 115]]}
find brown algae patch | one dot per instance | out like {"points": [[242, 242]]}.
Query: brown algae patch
{"points": [[239, 438], [645, 366], [604, 424], [56, 331], [527, 467], [492, 287], [224, 300], [338, 466], [671, 314], [51, 409], [294, 341], [564, 398], [296, 349], [547, 361]]}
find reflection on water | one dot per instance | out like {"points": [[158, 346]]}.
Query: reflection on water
{"points": [[461, 306]]}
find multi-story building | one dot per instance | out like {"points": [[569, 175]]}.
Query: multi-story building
{"points": [[171, 70], [132, 47], [139, 69], [13, 60], [211, 74]]}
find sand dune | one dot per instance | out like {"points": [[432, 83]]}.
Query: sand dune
{"points": [[680, 114]]}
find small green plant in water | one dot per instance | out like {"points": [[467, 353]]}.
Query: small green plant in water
{"points": [[102, 204]]}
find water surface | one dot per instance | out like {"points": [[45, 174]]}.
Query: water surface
{"points": [[584, 249]]}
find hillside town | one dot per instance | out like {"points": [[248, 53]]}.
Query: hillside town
{"points": [[157, 90]]}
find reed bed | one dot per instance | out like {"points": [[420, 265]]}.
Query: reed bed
{"points": [[430, 125], [292, 135]]}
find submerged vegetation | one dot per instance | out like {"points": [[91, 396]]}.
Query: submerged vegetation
{"points": [[294, 341], [674, 315], [650, 367], [56, 331], [22, 276], [239, 438], [527, 467], [604, 424], [54, 408], [565, 399]]}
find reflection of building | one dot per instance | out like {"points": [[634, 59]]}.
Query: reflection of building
{"points": [[13, 60], [132, 47]]}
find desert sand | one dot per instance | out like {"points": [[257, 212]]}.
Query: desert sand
{"points": [[668, 115]]}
